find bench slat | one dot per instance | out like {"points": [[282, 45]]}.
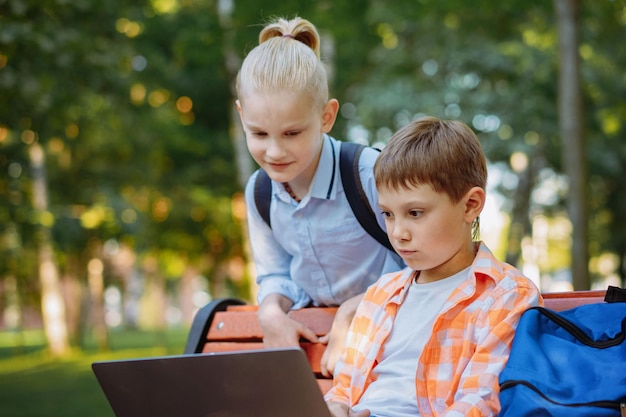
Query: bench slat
{"points": [[314, 352], [559, 301], [318, 319], [231, 346], [237, 323]]}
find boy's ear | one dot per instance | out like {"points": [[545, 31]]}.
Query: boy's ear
{"points": [[329, 115], [474, 203]]}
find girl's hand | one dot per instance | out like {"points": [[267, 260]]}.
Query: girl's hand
{"points": [[279, 330]]}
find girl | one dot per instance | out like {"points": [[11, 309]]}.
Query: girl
{"points": [[315, 252]]}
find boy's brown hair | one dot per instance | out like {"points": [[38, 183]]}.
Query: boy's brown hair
{"points": [[444, 154]]}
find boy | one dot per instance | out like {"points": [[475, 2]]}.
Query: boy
{"points": [[431, 339]]}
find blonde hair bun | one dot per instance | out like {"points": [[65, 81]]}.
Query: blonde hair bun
{"points": [[297, 29]]}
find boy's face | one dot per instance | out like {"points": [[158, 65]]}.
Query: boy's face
{"points": [[284, 134], [430, 232]]}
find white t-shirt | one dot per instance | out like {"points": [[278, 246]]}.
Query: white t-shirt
{"points": [[393, 393]]}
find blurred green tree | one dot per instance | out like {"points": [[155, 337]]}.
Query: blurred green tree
{"points": [[50, 70], [118, 131]]}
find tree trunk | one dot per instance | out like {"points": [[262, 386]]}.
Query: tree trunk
{"points": [[186, 286], [621, 269], [571, 130], [11, 312], [520, 222], [52, 303], [232, 62], [243, 160], [73, 295], [154, 301], [95, 269]]}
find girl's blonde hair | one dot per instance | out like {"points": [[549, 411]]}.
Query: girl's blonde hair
{"points": [[287, 58]]}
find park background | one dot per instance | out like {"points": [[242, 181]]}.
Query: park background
{"points": [[122, 161]]}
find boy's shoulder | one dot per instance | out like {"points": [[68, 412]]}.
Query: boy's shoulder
{"points": [[501, 270], [505, 278], [486, 263]]}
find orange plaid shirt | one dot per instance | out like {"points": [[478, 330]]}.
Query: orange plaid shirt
{"points": [[457, 372]]}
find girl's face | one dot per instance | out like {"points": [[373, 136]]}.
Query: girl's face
{"points": [[284, 134], [430, 232]]}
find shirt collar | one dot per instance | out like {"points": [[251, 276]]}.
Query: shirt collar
{"points": [[324, 185], [484, 265], [404, 283]]}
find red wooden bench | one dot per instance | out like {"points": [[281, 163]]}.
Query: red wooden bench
{"points": [[229, 325]]}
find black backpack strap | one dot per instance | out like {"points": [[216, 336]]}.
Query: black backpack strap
{"points": [[349, 167], [263, 195], [615, 295]]}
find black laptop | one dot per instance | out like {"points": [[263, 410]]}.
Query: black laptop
{"points": [[252, 383]]}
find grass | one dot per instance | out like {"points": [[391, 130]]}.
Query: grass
{"points": [[32, 384]]}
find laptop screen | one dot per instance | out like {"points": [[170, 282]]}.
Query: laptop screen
{"points": [[252, 383]]}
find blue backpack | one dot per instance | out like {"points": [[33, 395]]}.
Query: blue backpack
{"points": [[570, 364]]}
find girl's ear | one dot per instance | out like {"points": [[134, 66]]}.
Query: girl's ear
{"points": [[474, 203], [240, 111], [329, 115]]}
